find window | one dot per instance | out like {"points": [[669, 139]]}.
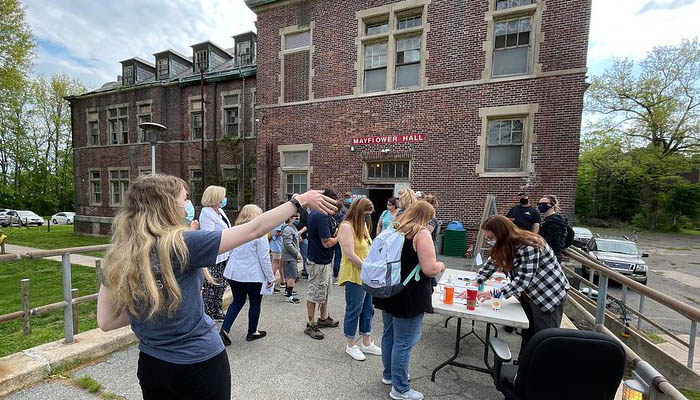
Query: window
{"points": [[163, 68], [511, 47], [244, 54], [231, 110], [408, 62], [402, 31], [295, 169], [394, 170], [196, 119], [93, 128], [375, 67], [296, 183], [231, 185], [128, 75], [201, 62], [144, 115], [196, 187], [118, 125], [118, 184], [294, 159], [297, 40], [505, 145], [95, 188], [503, 4]]}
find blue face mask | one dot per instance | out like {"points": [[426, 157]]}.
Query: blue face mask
{"points": [[348, 202], [223, 202], [189, 210]]}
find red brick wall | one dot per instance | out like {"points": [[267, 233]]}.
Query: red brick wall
{"points": [[296, 76]]}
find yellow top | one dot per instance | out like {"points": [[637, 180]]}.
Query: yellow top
{"points": [[349, 272]]}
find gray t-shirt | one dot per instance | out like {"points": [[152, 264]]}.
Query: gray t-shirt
{"points": [[189, 336]]}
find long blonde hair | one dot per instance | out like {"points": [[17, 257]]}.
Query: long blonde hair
{"points": [[148, 220], [407, 198], [248, 213], [415, 218], [356, 217]]}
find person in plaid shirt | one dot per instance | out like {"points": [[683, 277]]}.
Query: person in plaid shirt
{"points": [[536, 277]]}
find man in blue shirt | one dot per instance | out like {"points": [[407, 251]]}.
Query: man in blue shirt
{"points": [[321, 238]]}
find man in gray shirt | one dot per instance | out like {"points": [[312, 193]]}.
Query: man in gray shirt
{"points": [[290, 255]]}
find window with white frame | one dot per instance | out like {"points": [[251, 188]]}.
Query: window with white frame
{"points": [[511, 48], [297, 40], [388, 170], [402, 31], [118, 121], [244, 53], [231, 109], [196, 119], [503, 4], [230, 177], [196, 186], [200, 60], [144, 115], [118, 185], [296, 169], [163, 68], [128, 79], [95, 188], [504, 147], [93, 128]]}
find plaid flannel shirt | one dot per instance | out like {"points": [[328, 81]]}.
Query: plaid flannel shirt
{"points": [[544, 283]]}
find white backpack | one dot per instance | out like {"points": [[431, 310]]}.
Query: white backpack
{"points": [[381, 270]]}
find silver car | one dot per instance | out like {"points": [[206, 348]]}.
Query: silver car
{"points": [[24, 218], [4, 219], [621, 256]]}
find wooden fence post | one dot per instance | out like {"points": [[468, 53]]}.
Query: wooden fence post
{"points": [[26, 308], [98, 273], [74, 295]]}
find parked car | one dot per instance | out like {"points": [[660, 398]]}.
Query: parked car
{"points": [[63, 218], [4, 219], [582, 236], [621, 256], [24, 217]]}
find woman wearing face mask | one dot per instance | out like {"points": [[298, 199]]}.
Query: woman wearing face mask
{"points": [[354, 238], [152, 280], [536, 278], [388, 215], [213, 218], [189, 215], [553, 228]]}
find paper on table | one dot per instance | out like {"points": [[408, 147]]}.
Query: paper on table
{"points": [[264, 290], [478, 260]]}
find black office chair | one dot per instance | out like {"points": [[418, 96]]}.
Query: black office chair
{"points": [[560, 364]]}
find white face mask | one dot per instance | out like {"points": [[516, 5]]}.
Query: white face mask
{"points": [[491, 242]]}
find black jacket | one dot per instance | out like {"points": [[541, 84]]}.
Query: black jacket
{"points": [[553, 230]]}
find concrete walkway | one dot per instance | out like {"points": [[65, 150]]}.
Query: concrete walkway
{"points": [[79, 259]]}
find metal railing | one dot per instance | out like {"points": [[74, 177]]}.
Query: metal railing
{"points": [[70, 295], [641, 368]]}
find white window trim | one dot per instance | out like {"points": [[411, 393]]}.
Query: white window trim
{"points": [[190, 100], [253, 101], [118, 117], [283, 171], [92, 193], [533, 10], [311, 49], [139, 114], [120, 180], [367, 180], [158, 75], [527, 113], [89, 111], [236, 92], [391, 10]]}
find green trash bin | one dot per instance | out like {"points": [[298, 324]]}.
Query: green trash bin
{"points": [[454, 243]]}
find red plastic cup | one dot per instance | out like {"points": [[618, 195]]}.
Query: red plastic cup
{"points": [[472, 292]]}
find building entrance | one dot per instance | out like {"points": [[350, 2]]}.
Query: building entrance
{"points": [[379, 197]]}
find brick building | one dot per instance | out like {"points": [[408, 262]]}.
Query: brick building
{"points": [[457, 98], [110, 149]]}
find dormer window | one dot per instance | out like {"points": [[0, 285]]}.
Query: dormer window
{"points": [[244, 55], [163, 68], [128, 75], [200, 60]]}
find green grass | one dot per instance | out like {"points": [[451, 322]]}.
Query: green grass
{"points": [[45, 288], [656, 339], [110, 396], [691, 394], [61, 236], [690, 231], [89, 384]]}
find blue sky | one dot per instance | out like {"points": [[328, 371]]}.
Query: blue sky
{"points": [[87, 38]]}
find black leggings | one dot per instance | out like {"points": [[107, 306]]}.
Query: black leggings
{"points": [[206, 380]]}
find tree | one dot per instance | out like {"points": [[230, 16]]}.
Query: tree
{"points": [[655, 111], [681, 200]]}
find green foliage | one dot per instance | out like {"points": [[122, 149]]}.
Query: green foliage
{"points": [[45, 288], [88, 383], [60, 236]]}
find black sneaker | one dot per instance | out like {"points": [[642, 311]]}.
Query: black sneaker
{"points": [[225, 338], [283, 285], [275, 290], [250, 338], [304, 275]]}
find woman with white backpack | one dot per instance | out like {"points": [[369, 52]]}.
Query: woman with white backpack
{"points": [[403, 312]]}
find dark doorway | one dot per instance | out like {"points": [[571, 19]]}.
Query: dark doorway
{"points": [[379, 198]]}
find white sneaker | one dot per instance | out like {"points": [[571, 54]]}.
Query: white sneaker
{"points": [[410, 395], [371, 349], [388, 381], [355, 352]]}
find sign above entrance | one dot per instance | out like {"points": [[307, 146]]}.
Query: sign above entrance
{"points": [[406, 138]]}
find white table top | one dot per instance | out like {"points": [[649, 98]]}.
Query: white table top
{"points": [[510, 314]]}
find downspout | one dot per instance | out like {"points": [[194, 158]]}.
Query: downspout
{"points": [[242, 117]]}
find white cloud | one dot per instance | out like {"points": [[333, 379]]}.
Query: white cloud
{"points": [[87, 38]]}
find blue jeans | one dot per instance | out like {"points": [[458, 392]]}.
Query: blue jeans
{"points": [[337, 256], [240, 290], [358, 308], [304, 248], [400, 335]]}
